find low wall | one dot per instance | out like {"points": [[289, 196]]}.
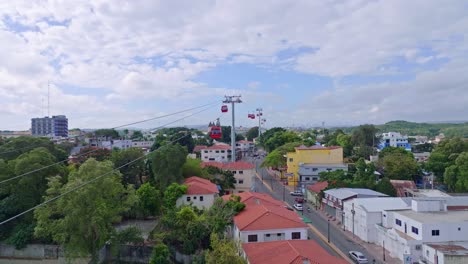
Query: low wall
{"points": [[32, 251]]}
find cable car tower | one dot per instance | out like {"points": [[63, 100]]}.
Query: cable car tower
{"points": [[233, 99]]}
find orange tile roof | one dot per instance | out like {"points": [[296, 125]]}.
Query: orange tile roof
{"points": [[401, 186], [238, 165], [318, 186], [289, 252], [198, 148], [197, 185], [263, 217], [219, 147], [316, 147], [255, 198]]}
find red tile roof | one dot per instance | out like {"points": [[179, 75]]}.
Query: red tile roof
{"points": [[318, 186], [316, 147], [289, 252], [219, 147], [255, 198], [198, 148], [197, 185], [401, 186], [263, 217], [244, 141], [238, 165]]}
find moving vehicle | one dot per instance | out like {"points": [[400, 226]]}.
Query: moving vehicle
{"points": [[358, 257], [296, 193], [299, 200], [298, 207]]}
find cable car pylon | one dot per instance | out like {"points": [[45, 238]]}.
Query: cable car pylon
{"points": [[233, 99]]}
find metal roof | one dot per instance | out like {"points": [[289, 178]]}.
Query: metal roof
{"points": [[378, 204], [343, 193]]}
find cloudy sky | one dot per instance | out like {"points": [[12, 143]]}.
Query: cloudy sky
{"points": [[343, 62]]}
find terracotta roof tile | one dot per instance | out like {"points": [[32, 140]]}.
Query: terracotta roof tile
{"points": [[316, 147], [262, 217], [318, 187], [197, 185], [198, 148], [255, 198], [238, 165], [289, 252]]}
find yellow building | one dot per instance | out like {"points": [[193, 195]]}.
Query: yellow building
{"points": [[311, 155]]}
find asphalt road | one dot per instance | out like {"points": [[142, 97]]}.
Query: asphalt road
{"points": [[280, 192]]}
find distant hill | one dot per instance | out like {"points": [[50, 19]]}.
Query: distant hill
{"points": [[457, 129]]}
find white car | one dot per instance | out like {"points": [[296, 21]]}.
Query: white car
{"points": [[358, 257], [298, 207], [296, 193]]}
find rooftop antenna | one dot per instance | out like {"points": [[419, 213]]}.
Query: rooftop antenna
{"points": [[48, 98]]}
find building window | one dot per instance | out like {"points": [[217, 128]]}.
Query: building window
{"points": [[398, 222], [418, 247], [314, 169], [206, 151], [307, 178], [278, 234], [234, 172], [188, 199], [267, 235], [217, 151], [222, 151], [194, 197], [252, 238], [241, 181], [290, 159], [241, 172], [459, 228], [427, 253], [201, 198], [296, 235], [329, 169], [206, 157], [414, 230], [435, 232]]}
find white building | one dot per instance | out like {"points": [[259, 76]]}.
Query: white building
{"points": [[142, 144], [404, 232], [243, 173], [119, 144], [201, 193], [445, 253], [360, 215], [394, 139], [262, 223], [309, 172], [219, 153], [245, 146], [334, 199]]}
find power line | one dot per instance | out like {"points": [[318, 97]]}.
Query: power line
{"points": [[129, 124], [94, 150], [85, 183]]}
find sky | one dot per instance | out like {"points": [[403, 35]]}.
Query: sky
{"points": [[109, 63]]}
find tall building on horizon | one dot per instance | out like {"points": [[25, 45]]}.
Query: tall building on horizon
{"points": [[55, 126]]}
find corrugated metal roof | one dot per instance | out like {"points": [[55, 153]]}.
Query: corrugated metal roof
{"points": [[377, 204], [343, 193]]}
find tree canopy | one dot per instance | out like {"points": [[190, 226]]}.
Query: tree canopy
{"points": [[166, 165]]}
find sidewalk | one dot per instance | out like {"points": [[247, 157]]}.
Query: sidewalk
{"points": [[373, 249]]}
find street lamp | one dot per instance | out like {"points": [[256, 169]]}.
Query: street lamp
{"points": [[383, 245], [343, 222], [328, 230]]}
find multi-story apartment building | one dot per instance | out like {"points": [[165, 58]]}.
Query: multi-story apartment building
{"points": [[309, 172], [394, 139], [55, 126], [219, 153], [243, 173]]}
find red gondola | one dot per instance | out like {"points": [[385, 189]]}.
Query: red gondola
{"points": [[215, 132], [251, 116], [224, 108]]}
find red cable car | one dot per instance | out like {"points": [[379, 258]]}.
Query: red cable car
{"points": [[224, 108], [251, 116], [215, 132]]}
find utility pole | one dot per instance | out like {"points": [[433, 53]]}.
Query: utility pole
{"points": [[259, 115], [233, 99], [48, 98]]}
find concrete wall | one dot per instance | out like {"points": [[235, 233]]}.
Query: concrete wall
{"points": [[36, 253], [246, 177], [208, 200], [220, 155], [286, 234]]}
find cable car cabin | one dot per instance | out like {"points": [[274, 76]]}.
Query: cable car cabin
{"points": [[224, 108], [215, 132], [251, 116]]}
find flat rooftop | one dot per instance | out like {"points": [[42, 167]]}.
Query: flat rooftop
{"points": [[436, 217]]}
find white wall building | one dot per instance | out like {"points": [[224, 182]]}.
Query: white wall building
{"points": [[201, 193], [219, 153], [261, 223], [360, 215], [394, 139], [119, 144], [243, 173], [309, 172], [445, 253], [404, 232]]}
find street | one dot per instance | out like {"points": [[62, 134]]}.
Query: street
{"points": [[328, 230]]}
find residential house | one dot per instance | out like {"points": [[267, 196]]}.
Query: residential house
{"points": [[444, 253], [288, 252], [430, 220], [421, 156], [243, 174], [317, 155], [360, 215], [334, 198], [309, 172], [313, 193], [245, 147], [402, 187], [394, 139], [201, 193], [219, 153], [255, 198], [263, 222]]}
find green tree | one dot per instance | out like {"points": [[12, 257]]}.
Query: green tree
{"points": [[149, 199], [281, 138], [166, 165], [183, 138], [82, 221], [398, 166], [172, 193], [456, 176], [131, 173], [223, 251], [392, 150], [365, 135], [345, 141], [384, 186], [252, 133], [137, 135], [224, 178], [107, 133], [192, 167], [269, 133], [99, 154], [160, 254], [445, 154]]}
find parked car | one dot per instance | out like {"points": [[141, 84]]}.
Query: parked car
{"points": [[299, 200], [358, 257], [298, 207], [296, 193]]}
